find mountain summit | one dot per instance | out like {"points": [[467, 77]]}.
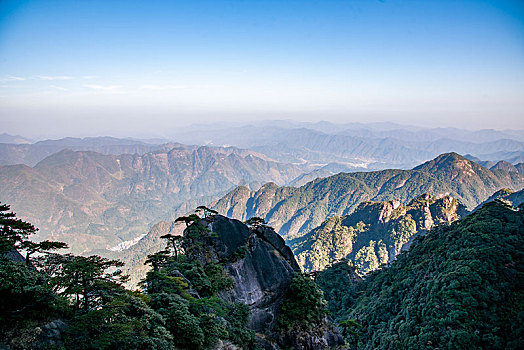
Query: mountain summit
{"points": [[294, 211]]}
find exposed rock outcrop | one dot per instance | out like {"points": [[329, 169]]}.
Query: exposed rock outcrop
{"points": [[375, 233], [14, 255], [262, 267], [50, 335]]}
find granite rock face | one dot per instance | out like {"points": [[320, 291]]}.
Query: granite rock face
{"points": [[262, 267], [376, 232], [50, 335]]}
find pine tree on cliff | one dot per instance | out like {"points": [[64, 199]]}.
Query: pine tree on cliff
{"points": [[13, 231]]}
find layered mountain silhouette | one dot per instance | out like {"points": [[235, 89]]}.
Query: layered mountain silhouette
{"points": [[372, 146], [12, 152], [354, 146], [95, 201], [295, 211]]}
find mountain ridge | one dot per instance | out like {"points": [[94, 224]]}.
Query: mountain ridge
{"points": [[293, 211], [79, 196]]}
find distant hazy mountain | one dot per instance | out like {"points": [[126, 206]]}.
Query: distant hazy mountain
{"points": [[375, 233], [31, 154], [511, 157], [430, 135], [358, 146], [503, 165], [15, 139], [294, 211], [353, 146], [485, 163], [95, 201]]}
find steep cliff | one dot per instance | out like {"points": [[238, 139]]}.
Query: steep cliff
{"points": [[262, 268], [295, 211], [375, 232]]}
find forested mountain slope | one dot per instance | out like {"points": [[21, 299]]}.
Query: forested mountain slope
{"points": [[375, 233], [294, 211], [95, 201], [458, 287]]}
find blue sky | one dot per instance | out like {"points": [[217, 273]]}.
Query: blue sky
{"points": [[144, 67]]}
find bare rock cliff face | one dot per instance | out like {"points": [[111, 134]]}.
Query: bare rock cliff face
{"points": [[262, 267]]}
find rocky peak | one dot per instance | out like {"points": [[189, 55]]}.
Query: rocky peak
{"points": [[388, 209], [453, 165], [375, 233], [373, 213], [262, 267]]}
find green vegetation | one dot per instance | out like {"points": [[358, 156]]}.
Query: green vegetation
{"points": [[13, 231], [124, 322], [27, 294], [350, 330], [295, 211], [370, 257], [51, 286], [458, 287], [304, 307], [183, 289], [207, 212], [327, 243], [179, 307], [338, 283], [85, 280], [256, 222], [374, 233], [27, 297]]}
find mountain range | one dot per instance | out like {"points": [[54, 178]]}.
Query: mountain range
{"points": [[294, 211], [368, 233], [116, 196], [97, 202], [349, 146], [373, 146], [31, 153]]}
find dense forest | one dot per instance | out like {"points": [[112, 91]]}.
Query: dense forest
{"points": [[63, 301], [458, 287], [52, 300]]}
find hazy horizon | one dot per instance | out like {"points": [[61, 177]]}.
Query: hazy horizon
{"points": [[171, 135], [143, 69]]}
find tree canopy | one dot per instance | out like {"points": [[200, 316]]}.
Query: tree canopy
{"points": [[458, 287]]}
